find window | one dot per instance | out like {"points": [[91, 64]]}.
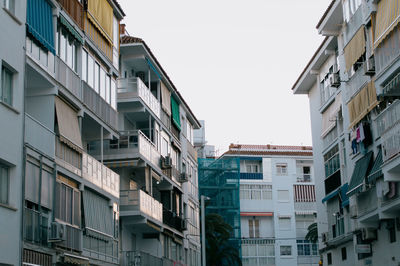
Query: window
{"points": [[164, 147], [344, 253], [108, 92], [255, 192], [281, 169], [90, 75], [67, 50], [189, 132], [286, 250], [84, 65], [6, 85], [329, 258], [306, 248], [254, 228], [67, 204], [10, 5], [4, 184], [332, 161], [252, 168], [284, 223], [349, 8], [102, 83], [96, 77], [115, 42], [306, 174], [113, 94], [283, 195]]}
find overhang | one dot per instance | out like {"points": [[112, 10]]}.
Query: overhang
{"points": [[332, 20]]}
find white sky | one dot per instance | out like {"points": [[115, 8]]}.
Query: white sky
{"points": [[234, 62]]}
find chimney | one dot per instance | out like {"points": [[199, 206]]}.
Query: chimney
{"points": [[122, 30]]}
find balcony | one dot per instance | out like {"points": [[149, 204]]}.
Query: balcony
{"points": [[171, 219], [387, 51], [87, 167], [130, 145], [303, 178], [75, 9], [305, 207], [366, 202], [36, 227], [138, 200], [99, 106], [135, 88], [258, 176], [173, 173], [73, 240], [356, 82], [39, 136], [166, 119], [140, 258], [191, 150], [100, 246], [68, 78], [332, 182], [388, 127]]}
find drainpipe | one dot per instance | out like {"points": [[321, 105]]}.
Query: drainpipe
{"points": [[101, 143]]}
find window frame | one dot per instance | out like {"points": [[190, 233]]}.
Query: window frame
{"points": [[6, 70], [288, 247], [280, 167], [6, 169], [9, 8]]}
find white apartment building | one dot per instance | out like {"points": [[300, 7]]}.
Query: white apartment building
{"points": [[353, 89], [277, 204]]}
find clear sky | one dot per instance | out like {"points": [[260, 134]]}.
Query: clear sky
{"points": [[234, 62]]}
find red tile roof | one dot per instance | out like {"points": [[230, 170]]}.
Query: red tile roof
{"points": [[130, 39], [259, 150]]}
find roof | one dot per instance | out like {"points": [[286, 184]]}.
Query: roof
{"points": [[249, 149], [130, 39], [119, 7], [325, 14], [310, 62]]}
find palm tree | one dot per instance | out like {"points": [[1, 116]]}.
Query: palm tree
{"points": [[312, 233], [218, 249]]}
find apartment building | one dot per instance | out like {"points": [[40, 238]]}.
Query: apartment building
{"points": [[352, 85], [156, 161], [277, 204], [12, 64], [70, 199]]}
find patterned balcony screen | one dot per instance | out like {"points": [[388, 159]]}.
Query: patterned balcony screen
{"points": [[39, 21], [355, 48], [100, 12], [362, 104], [387, 17], [329, 117], [176, 118]]}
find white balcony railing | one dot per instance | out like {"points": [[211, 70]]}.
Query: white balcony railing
{"points": [[141, 201], [135, 88]]}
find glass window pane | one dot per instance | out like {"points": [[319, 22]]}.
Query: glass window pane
{"points": [[108, 93], [96, 77], [4, 185], [6, 90], [113, 94], [102, 83], [90, 71], [84, 65]]}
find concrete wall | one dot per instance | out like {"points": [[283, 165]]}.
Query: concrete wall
{"points": [[12, 54]]}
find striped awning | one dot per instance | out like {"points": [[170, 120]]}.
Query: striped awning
{"points": [[331, 195], [376, 170], [343, 195], [387, 18], [329, 117], [71, 29], [304, 193], [355, 48], [256, 214]]}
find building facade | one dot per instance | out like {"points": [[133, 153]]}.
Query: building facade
{"points": [[352, 84], [277, 204]]}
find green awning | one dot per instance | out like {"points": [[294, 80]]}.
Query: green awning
{"points": [[331, 195], [376, 170], [343, 195], [359, 174], [71, 29], [176, 119]]}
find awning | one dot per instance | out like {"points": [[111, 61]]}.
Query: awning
{"points": [[257, 214], [304, 193], [165, 99], [39, 22], [77, 260], [329, 117], [355, 48], [343, 195], [68, 125], [376, 170], [331, 195], [387, 17], [98, 213], [71, 29], [359, 174], [362, 103], [176, 119], [100, 13], [153, 68], [305, 212]]}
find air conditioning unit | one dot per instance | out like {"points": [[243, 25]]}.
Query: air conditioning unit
{"points": [[334, 80], [369, 234], [369, 66], [58, 232], [184, 177], [324, 237], [353, 211], [166, 162]]}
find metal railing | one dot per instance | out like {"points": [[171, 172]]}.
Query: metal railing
{"points": [[36, 228], [141, 201], [135, 88], [99, 106], [140, 258], [388, 118], [73, 239], [100, 246], [304, 178], [173, 220]]}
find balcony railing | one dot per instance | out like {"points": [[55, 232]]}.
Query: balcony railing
{"points": [[367, 202], [73, 239], [129, 143], [172, 173], [356, 82], [257, 176], [44, 58], [75, 9], [304, 178], [388, 127], [305, 206], [138, 200], [387, 51], [89, 168], [140, 258], [191, 150], [171, 219], [100, 246], [135, 88], [99, 106], [68, 78], [39, 136]]}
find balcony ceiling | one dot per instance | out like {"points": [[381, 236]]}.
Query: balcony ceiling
{"points": [[91, 129], [134, 58], [36, 79], [332, 23]]}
